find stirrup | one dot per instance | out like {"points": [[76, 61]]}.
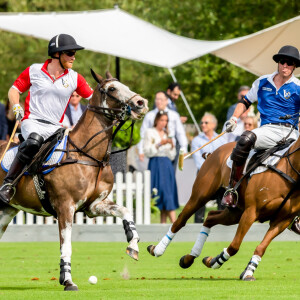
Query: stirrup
{"points": [[12, 187], [233, 191]]}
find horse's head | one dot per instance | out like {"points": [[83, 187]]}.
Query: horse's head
{"points": [[116, 100]]}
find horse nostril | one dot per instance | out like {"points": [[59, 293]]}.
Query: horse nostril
{"points": [[140, 103]]}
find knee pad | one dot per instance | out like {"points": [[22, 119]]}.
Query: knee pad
{"points": [[243, 147], [29, 148]]}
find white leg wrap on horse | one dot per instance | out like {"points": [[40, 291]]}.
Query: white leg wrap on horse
{"points": [[219, 260], [201, 239], [163, 244], [252, 266]]}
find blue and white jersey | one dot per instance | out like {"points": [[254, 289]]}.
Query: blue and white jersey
{"points": [[274, 103]]}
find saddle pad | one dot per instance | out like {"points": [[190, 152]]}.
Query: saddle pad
{"points": [[271, 160], [53, 158]]}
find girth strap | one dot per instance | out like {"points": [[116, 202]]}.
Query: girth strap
{"points": [[41, 189]]}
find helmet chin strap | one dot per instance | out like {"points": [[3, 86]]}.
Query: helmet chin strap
{"points": [[59, 60]]}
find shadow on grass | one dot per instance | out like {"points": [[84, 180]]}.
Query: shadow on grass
{"points": [[190, 278]]}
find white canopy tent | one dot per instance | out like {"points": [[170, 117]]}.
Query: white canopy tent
{"points": [[254, 52], [118, 33]]}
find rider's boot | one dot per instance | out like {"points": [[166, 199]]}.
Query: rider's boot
{"points": [[27, 150], [239, 156], [7, 190]]}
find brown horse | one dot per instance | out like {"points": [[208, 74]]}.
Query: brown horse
{"points": [[259, 200], [83, 186]]}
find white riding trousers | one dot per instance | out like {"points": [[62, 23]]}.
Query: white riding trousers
{"points": [[45, 130], [268, 135]]}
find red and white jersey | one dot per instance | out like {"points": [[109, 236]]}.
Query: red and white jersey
{"points": [[47, 98]]}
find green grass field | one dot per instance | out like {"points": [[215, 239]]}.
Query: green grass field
{"points": [[150, 278]]}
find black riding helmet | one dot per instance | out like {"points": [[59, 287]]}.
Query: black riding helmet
{"points": [[62, 42], [288, 52]]}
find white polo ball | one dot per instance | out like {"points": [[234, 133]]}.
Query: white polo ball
{"points": [[93, 280]]}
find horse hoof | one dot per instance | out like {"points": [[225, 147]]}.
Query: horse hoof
{"points": [[206, 261], [132, 253], [189, 261], [150, 249], [249, 278], [71, 287]]}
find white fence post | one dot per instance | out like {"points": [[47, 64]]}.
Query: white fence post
{"points": [[110, 220], [20, 218], [147, 197], [129, 193], [139, 198], [79, 218], [29, 219]]}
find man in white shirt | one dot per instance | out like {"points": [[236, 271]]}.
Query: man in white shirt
{"points": [[175, 126]]}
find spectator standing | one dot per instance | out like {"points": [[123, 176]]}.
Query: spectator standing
{"points": [[208, 125], [74, 111], [175, 126], [243, 90], [250, 122], [159, 147]]}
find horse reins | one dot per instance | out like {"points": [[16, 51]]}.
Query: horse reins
{"points": [[119, 121]]}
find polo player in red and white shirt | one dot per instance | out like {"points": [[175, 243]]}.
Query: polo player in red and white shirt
{"points": [[50, 87]]}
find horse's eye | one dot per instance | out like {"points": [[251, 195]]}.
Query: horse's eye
{"points": [[112, 89]]}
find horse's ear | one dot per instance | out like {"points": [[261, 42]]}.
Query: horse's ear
{"points": [[108, 75], [97, 77]]}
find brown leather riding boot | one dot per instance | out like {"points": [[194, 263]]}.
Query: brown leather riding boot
{"points": [[7, 190], [230, 197]]}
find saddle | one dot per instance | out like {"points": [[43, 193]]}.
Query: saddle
{"points": [[260, 156], [45, 152]]}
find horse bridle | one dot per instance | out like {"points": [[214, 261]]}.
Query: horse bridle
{"points": [[122, 112], [118, 115]]}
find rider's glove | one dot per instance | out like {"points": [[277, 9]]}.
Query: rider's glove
{"points": [[231, 124], [18, 111]]}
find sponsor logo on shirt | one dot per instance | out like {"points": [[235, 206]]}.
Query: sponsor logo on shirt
{"points": [[264, 88], [65, 82], [286, 94]]}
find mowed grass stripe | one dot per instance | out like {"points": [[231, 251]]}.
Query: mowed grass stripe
{"points": [[149, 278]]}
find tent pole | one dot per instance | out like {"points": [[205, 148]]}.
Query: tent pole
{"points": [[185, 102], [118, 68]]}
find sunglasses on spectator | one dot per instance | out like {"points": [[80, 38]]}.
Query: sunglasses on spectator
{"points": [[69, 53], [287, 61], [204, 123]]}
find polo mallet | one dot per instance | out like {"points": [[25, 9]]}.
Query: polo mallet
{"points": [[181, 157], [10, 140]]}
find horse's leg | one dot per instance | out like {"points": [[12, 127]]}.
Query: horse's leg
{"points": [[274, 230], [247, 219], [203, 190], [215, 217], [65, 216], [107, 207], [7, 213]]}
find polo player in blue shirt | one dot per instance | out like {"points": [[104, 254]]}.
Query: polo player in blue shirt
{"points": [[277, 95]]}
